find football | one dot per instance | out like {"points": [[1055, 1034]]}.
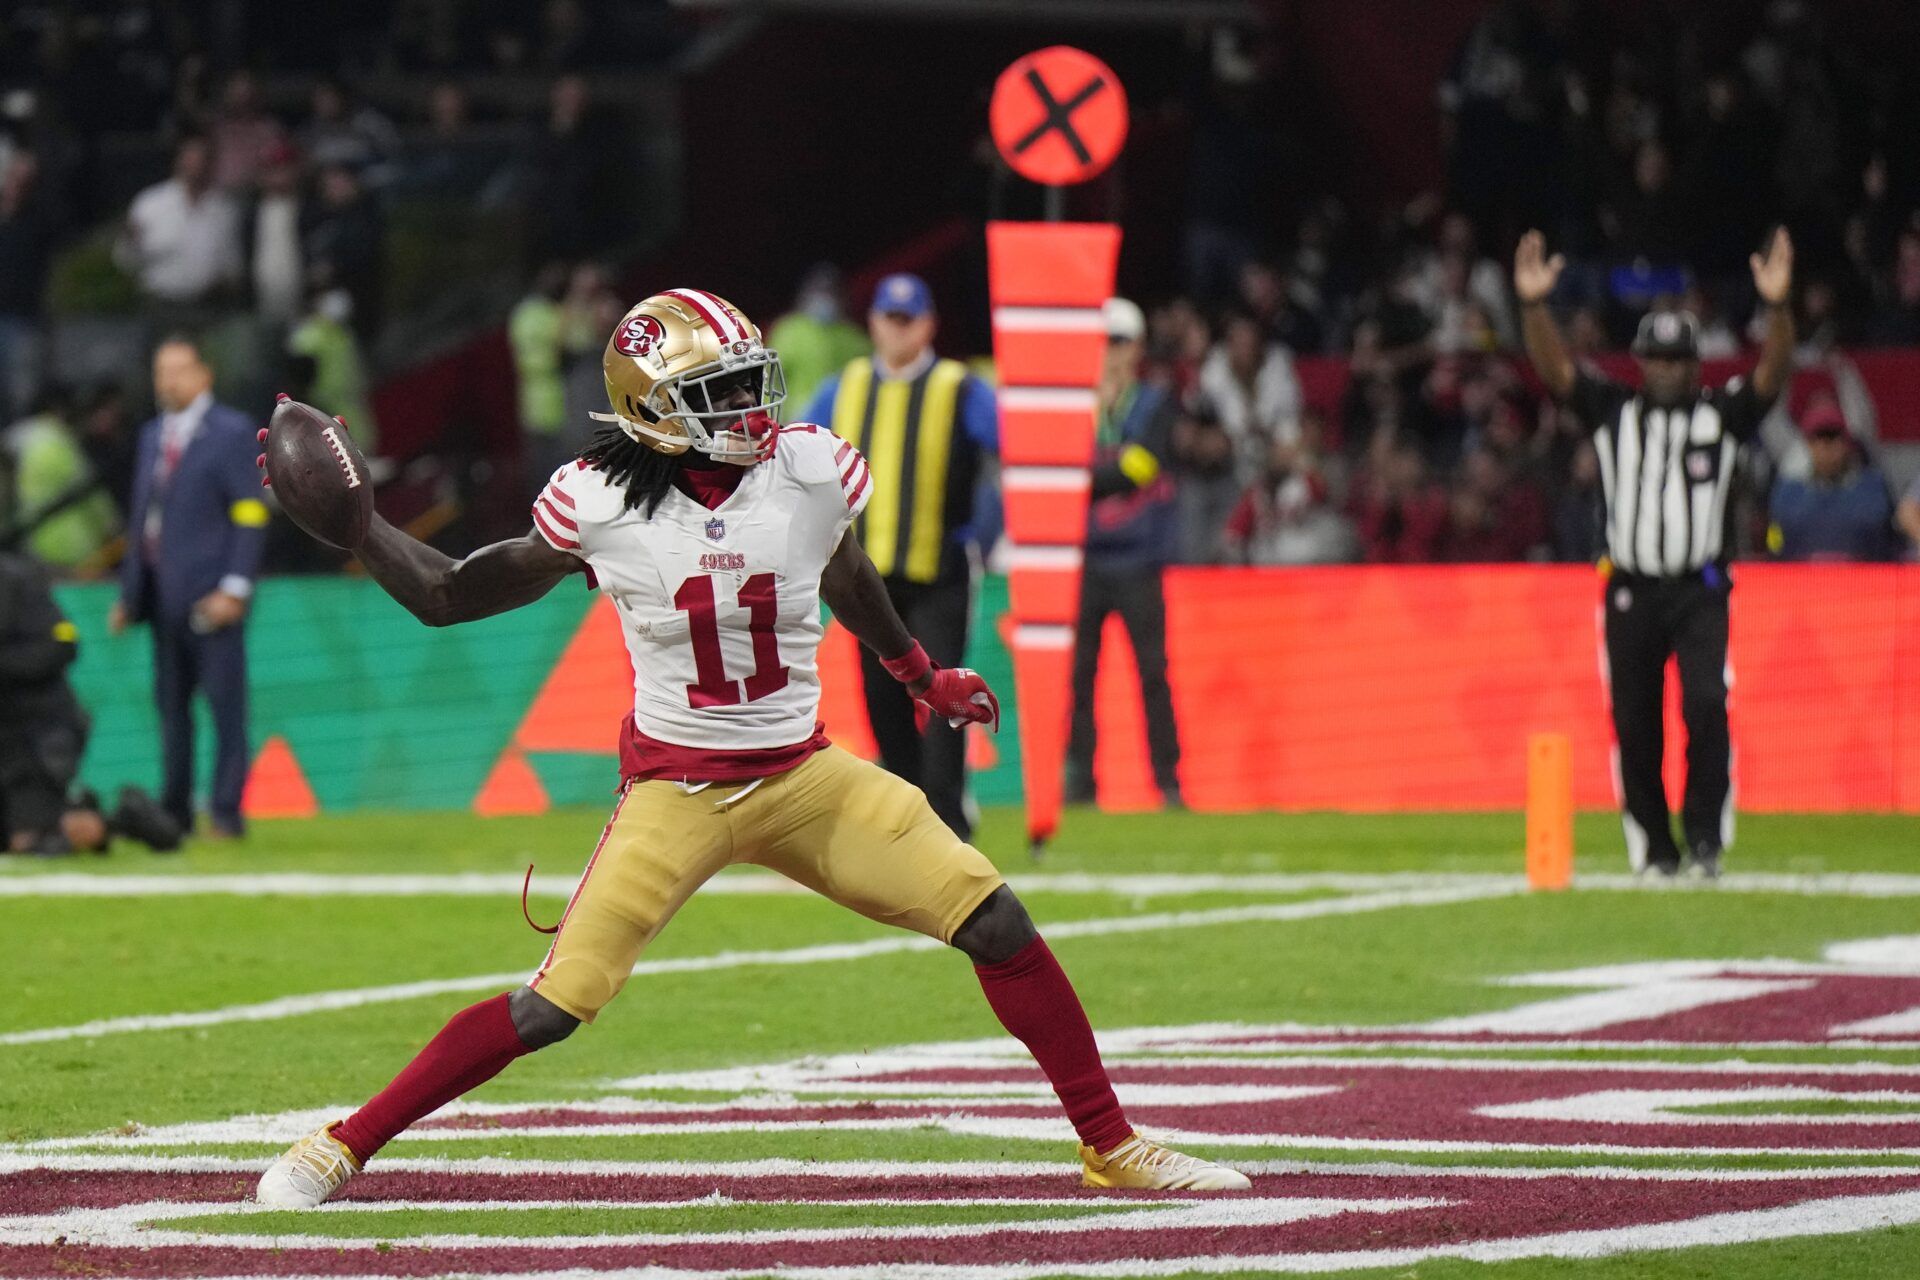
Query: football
{"points": [[319, 475]]}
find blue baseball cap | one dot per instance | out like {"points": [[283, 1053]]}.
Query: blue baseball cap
{"points": [[903, 293]]}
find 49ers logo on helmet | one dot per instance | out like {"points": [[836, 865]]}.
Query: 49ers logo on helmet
{"points": [[638, 336]]}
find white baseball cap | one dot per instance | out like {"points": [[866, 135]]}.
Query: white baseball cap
{"points": [[1125, 322]]}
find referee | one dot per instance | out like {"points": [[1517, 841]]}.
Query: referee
{"points": [[1667, 458], [930, 431]]}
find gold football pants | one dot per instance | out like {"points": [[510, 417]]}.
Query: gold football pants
{"points": [[842, 827]]}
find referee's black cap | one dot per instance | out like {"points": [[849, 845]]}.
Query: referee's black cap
{"points": [[1668, 335]]}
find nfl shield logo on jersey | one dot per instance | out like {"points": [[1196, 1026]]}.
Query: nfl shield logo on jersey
{"points": [[716, 529]]}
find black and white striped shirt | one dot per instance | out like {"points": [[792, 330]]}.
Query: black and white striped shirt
{"points": [[1666, 472]]}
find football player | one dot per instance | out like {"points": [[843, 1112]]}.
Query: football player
{"points": [[717, 534]]}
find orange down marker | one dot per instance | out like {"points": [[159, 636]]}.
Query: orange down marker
{"points": [[1549, 811]]}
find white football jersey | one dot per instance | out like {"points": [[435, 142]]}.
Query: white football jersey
{"points": [[720, 608]]}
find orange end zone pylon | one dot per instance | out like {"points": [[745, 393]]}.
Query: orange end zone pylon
{"points": [[1549, 811]]}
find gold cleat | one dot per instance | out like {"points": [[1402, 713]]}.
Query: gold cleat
{"points": [[312, 1169], [1138, 1164]]}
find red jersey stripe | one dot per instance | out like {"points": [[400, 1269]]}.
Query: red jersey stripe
{"points": [[560, 517], [557, 539], [860, 488], [555, 491]]}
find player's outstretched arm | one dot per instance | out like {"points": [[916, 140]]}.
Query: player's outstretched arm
{"points": [[852, 588], [440, 591], [1534, 275]]}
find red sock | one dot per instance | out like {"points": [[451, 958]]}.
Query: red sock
{"points": [[475, 1046], [1034, 1001]]}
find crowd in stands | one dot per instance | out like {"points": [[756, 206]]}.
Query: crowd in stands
{"points": [[1654, 155], [265, 229]]}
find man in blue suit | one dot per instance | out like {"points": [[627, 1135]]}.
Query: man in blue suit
{"points": [[195, 530]]}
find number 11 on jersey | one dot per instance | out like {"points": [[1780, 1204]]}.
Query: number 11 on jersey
{"points": [[712, 687]]}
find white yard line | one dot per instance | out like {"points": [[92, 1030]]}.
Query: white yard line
{"points": [[15, 883], [325, 1001]]}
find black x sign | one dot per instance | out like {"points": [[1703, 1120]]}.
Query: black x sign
{"points": [[1060, 114]]}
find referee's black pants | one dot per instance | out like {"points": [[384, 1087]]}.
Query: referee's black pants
{"points": [[1139, 597], [1648, 620], [938, 615]]}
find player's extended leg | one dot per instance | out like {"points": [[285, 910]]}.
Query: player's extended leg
{"points": [[858, 835], [660, 845]]}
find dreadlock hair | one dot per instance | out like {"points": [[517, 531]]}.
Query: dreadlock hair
{"points": [[646, 473]]}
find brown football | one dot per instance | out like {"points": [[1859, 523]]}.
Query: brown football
{"points": [[319, 475]]}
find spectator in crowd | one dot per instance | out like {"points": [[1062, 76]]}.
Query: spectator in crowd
{"points": [[1717, 338], [276, 258], [535, 331], [182, 236], [815, 340], [1578, 510], [904, 402], [1399, 512], [1897, 321], [1178, 339], [326, 368], [1907, 516], [446, 163], [343, 131], [57, 500], [28, 234], [107, 436], [1493, 515], [1843, 510], [197, 527], [343, 240], [1130, 531], [244, 135], [1253, 388], [1291, 515], [592, 308], [43, 733], [1206, 482], [574, 158], [1463, 292], [1269, 297]]}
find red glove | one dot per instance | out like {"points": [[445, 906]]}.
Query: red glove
{"points": [[954, 692]]}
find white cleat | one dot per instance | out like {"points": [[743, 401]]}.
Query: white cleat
{"points": [[1142, 1165], [312, 1169]]}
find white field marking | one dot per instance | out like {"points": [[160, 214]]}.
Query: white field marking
{"points": [[122, 1227], [781, 1167], [1600, 1009], [1038, 1096], [1904, 1023], [1662, 1106], [747, 882], [323, 1001], [1053, 1129], [1832, 1216], [1363, 1038]]}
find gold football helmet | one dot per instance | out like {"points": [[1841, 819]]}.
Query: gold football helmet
{"points": [[672, 362]]}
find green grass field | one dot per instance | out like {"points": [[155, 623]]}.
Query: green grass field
{"points": [[1328, 1000]]}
